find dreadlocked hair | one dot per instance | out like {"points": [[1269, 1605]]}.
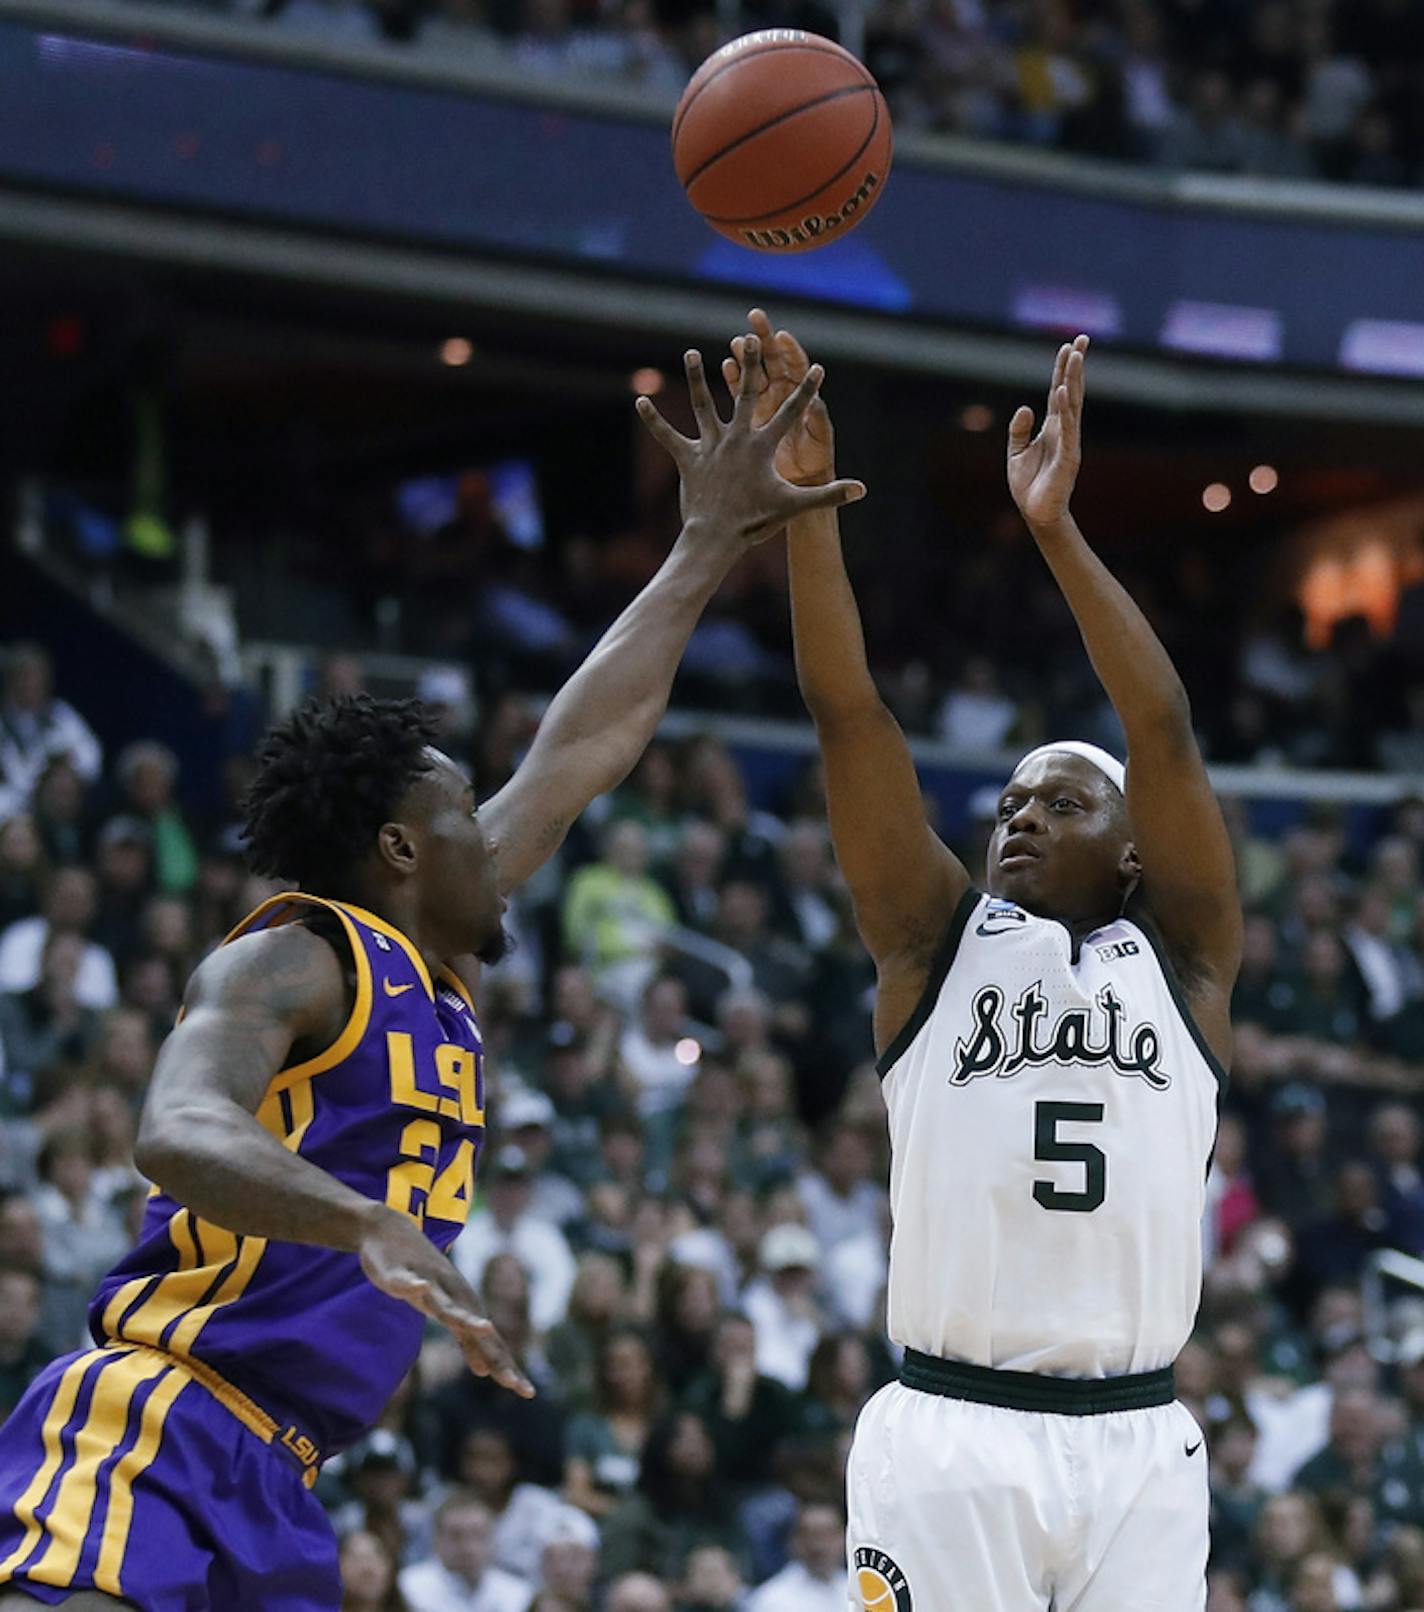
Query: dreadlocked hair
{"points": [[327, 778]]}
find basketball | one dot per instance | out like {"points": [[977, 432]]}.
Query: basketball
{"points": [[782, 141]]}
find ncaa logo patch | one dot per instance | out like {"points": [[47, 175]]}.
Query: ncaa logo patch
{"points": [[881, 1585]]}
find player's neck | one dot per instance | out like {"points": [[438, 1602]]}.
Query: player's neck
{"points": [[399, 910]]}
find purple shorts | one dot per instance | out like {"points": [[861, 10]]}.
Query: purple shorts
{"points": [[120, 1471]]}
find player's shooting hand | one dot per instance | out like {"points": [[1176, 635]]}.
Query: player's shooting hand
{"points": [[401, 1261], [729, 477], [807, 453], [1043, 468]]}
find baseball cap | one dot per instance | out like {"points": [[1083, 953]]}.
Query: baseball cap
{"points": [[522, 1108], [382, 1448], [1297, 1099], [510, 1163], [570, 1526], [789, 1247]]}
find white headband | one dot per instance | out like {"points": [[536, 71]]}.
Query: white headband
{"points": [[1110, 767]]}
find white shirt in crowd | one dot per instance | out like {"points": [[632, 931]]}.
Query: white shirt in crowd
{"points": [[533, 1517], [795, 1590], [784, 1342], [22, 945], [653, 1067], [29, 741], [541, 1248], [431, 1587], [834, 1219]]}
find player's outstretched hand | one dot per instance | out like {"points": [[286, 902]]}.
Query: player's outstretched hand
{"points": [[1043, 468], [401, 1261], [806, 455], [729, 475]]}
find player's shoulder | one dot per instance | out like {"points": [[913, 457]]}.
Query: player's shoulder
{"points": [[289, 970]]}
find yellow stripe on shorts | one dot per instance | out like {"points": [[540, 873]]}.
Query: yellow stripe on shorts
{"points": [[68, 1522], [131, 1465], [56, 1420]]}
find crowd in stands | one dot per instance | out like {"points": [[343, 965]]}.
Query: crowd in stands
{"points": [[1290, 89], [681, 1217]]}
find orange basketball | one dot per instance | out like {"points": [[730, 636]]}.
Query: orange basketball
{"points": [[782, 141]]}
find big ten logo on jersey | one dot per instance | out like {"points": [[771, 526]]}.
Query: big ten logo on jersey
{"points": [[881, 1585], [413, 1186], [1119, 948]]}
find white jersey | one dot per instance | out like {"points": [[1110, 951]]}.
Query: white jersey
{"points": [[1052, 1115]]}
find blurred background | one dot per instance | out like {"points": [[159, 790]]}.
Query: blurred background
{"points": [[322, 324]]}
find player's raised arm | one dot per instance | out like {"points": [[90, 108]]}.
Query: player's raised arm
{"points": [[1176, 822], [903, 880], [602, 719], [247, 1007]]}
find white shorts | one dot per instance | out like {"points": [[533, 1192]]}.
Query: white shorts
{"points": [[961, 1507]]}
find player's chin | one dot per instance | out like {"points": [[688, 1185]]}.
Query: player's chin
{"points": [[1019, 877], [496, 947]]}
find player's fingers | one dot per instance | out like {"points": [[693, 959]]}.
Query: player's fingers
{"points": [[489, 1356], [797, 404], [662, 433], [709, 422], [731, 373], [1075, 380], [793, 354], [1060, 365], [1021, 429], [757, 319], [832, 496], [754, 379]]}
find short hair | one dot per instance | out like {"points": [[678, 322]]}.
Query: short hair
{"points": [[327, 778]]}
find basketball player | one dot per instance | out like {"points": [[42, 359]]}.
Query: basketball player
{"points": [[1051, 1048], [313, 1121]]}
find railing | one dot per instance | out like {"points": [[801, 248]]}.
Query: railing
{"points": [[1383, 1329]]}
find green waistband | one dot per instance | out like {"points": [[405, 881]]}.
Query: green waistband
{"points": [[1031, 1391]]}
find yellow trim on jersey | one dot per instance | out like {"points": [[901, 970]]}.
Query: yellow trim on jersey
{"points": [[453, 980], [95, 1443], [372, 921], [119, 1517], [250, 1252], [271, 1116], [355, 1027], [61, 1408]]}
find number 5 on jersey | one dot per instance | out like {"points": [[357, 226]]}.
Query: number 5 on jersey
{"points": [[1048, 1146]]}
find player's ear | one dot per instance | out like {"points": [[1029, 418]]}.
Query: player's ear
{"points": [[1129, 869], [397, 850]]}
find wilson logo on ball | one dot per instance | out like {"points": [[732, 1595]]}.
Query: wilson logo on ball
{"points": [[782, 141]]}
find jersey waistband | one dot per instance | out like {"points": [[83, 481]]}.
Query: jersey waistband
{"points": [[297, 1447], [1032, 1391]]}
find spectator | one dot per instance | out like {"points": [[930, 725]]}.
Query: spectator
{"points": [[815, 1580], [69, 908], [680, 1503], [380, 1473], [1349, 1463], [573, 1345], [125, 868], [605, 1445], [36, 729], [1334, 1250], [615, 913], [638, 1592], [1236, 1499], [1294, 1180], [460, 1577], [648, 798], [808, 913], [658, 1056], [509, 1225], [691, 878], [977, 714], [746, 1412], [526, 1118], [569, 1563], [1289, 1530], [1231, 1200], [710, 1582], [1394, 1141], [782, 1305], [60, 812], [84, 1232], [841, 1200], [368, 1575], [526, 1515], [48, 1024], [148, 773], [22, 867], [23, 1352]]}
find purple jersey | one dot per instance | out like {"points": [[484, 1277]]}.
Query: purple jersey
{"points": [[395, 1109]]}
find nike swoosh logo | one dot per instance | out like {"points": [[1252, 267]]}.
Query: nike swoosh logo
{"points": [[395, 990], [984, 929], [1192, 1449]]}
